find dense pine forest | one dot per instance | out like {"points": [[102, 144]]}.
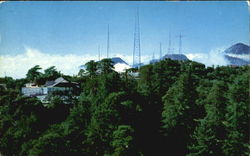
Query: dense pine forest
{"points": [[169, 108]]}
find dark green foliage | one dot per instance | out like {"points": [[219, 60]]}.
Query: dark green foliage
{"points": [[8, 82], [179, 112], [33, 74], [179, 103], [123, 141], [107, 83], [106, 66], [18, 122], [237, 118], [91, 68], [106, 117], [210, 133], [51, 73], [171, 107], [50, 143]]}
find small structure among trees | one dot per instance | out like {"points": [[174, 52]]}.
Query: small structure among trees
{"points": [[41, 92]]}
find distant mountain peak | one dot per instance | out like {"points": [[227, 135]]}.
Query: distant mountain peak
{"points": [[238, 48], [118, 60], [240, 44], [119, 64], [238, 54], [180, 57]]}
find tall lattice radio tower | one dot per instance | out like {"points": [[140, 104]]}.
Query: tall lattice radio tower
{"points": [[169, 44], [108, 43], [180, 42], [137, 44], [160, 55]]}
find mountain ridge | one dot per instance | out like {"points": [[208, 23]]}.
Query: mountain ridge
{"points": [[238, 54], [238, 48]]}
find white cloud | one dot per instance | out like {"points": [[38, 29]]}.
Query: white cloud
{"points": [[129, 58], [120, 67], [192, 56], [245, 57], [214, 57], [18, 65]]}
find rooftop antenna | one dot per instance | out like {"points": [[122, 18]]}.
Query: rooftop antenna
{"points": [[169, 43], [99, 53], [160, 52], [137, 46], [180, 42], [108, 43], [153, 57]]}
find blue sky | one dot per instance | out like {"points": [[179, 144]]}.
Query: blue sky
{"points": [[77, 28]]}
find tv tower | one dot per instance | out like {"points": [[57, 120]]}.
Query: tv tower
{"points": [[169, 44], [99, 53], [180, 42], [137, 44], [153, 56], [108, 43], [160, 52]]}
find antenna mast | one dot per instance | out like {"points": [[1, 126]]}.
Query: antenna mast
{"points": [[99, 53], [169, 44], [160, 52], [137, 46], [180, 42], [108, 43]]}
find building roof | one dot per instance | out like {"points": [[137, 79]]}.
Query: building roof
{"points": [[59, 80]]}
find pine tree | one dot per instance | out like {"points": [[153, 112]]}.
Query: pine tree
{"points": [[210, 133], [105, 119], [179, 113], [106, 66], [91, 68], [123, 141], [237, 118]]}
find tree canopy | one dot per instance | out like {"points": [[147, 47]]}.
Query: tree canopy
{"points": [[170, 107]]}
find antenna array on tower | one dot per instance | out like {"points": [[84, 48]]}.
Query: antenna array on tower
{"points": [[180, 42], [137, 46], [169, 44], [160, 56], [108, 43], [99, 53]]}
